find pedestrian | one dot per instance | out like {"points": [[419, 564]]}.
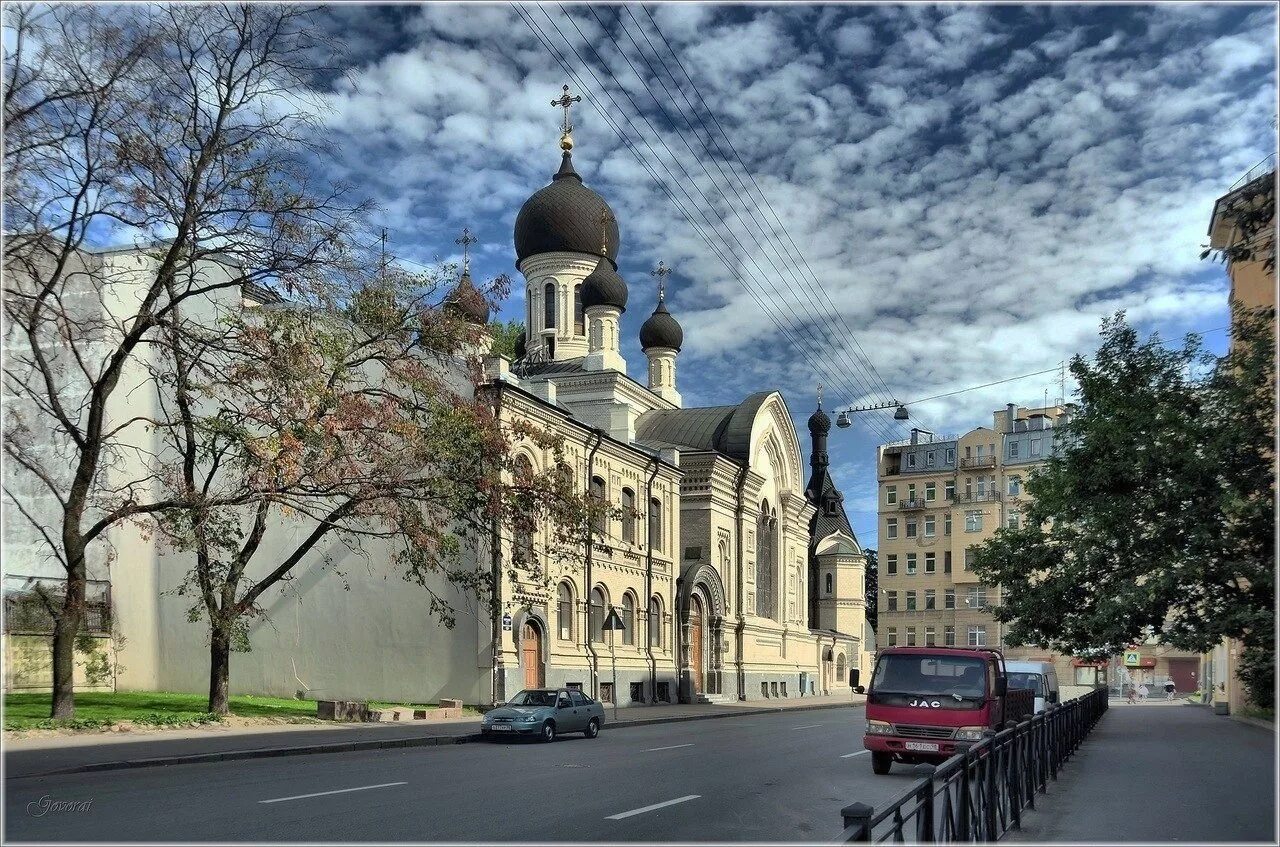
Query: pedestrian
{"points": [[1133, 692], [1142, 692], [1169, 688]]}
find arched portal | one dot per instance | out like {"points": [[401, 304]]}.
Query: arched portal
{"points": [[697, 637], [531, 654]]}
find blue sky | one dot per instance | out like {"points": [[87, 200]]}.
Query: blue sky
{"points": [[972, 188]]}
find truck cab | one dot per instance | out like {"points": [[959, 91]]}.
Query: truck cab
{"points": [[1039, 677], [927, 704]]}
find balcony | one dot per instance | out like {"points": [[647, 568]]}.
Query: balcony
{"points": [[892, 471], [978, 462], [912, 505], [986, 497]]}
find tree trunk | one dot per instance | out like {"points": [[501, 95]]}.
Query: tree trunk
{"points": [[64, 655], [219, 668]]}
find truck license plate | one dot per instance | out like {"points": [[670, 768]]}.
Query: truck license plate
{"points": [[925, 746]]}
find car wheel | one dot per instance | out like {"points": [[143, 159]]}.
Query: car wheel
{"points": [[593, 728], [880, 763], [549, 731]]}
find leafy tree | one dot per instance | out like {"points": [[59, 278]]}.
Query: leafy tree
{"points": [[871, 585], [505, 336], [1157, 510]]}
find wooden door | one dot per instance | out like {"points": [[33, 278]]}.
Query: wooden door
{"points": [[1183, 672], [531, 655], [695, 644]]}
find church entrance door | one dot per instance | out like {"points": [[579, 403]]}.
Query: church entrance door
{"points": [[695, 645], [531, 655]]}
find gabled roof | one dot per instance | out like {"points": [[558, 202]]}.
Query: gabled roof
{"points": [[718, 429]]}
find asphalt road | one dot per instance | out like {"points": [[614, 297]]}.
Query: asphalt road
{"points": [[775, 777]]}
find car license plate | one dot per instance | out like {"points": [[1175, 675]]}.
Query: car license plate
{"points": [[926, 746], [502, 727]]}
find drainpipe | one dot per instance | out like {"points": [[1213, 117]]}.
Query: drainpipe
{"points": [[739, 629], [595, 661], [495, 546], [648, 585]]}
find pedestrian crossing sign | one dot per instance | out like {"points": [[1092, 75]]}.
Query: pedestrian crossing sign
{"points": [[1132, 658]]}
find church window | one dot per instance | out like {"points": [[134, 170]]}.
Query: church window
{"points": [[522, 534], [600, 504], [578, 324], [549, 306], [766, 542], [628, 619], [655, 524], [597, 614], [655, 622], [829, 581], [565, 612], [628, 516]]}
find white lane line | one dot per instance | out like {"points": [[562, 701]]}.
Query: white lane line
{"points": [[672, 747], [641, 811], [806, 726], [339, 791], [851, 755]]}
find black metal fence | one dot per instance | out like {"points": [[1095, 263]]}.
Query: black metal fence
{"points": [[979, 795]]}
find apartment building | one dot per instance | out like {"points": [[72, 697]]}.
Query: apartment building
{"points": [[938, 499]]}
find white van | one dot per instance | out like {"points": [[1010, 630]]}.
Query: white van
{"points": [[1040, 677]]}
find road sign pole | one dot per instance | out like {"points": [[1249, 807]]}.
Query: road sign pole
{"points": [[614, 656]]}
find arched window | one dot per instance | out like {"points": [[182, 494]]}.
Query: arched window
{"points": [[829, 581], [528, 309], [601, 502], [655, 622], [840, 680], [565, 611], [766, 541], [522, 531], [596, 614], [655, 524], [628, 516], [549, 306], [578, 324], [628, 619]]}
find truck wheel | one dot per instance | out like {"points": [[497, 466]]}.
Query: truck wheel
{"points": [[880, 763]]}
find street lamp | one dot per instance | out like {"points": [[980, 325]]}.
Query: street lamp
{"points": [[899, 414]]}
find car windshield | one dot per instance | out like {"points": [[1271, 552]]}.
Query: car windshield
{"points": [[1032, 681], [906, 674], [533, 698]]}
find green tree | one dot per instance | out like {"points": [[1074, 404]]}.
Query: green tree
{"points": [[871, 587], [1156, 513], [505, 336]]}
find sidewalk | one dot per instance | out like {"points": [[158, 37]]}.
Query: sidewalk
{"points": [[1153, 773], [93, 752]]}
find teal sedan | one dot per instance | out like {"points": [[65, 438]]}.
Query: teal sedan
{"points": [[546, 713]]}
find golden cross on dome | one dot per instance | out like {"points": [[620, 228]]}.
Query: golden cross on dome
{"points": [[466, 241], [819, 395], [606, 218], [566, 101], [661, 272]]}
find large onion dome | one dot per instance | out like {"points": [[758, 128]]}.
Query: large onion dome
{"points": [[604, 287], [661, 330], [566, 216]]}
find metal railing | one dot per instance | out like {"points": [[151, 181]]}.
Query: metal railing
{"points": [[1266, 166], [914, 503], [978, 462], [978, 795], [981, 497]]}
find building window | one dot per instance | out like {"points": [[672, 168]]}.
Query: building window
{"points": [[930, 599], [946, 561], [949, 490], [628, 516], [628, 619], [930, 562], [606, 692], [1035, 448], [949, 598], [829, 581], [930, 526], [911, 460], [911, 493], [1015, 486], [968, 557], [549, 306], [911, 564], [1014, 520], [1013, 449], [973, 521], [579, 327], [655, 524], [892, 598], [982, 486], [930, 492], [981, 450], [951, 455], [911, 636], [911, 601], [891, 562], [596, 614], [1086, 676], [976, 597], [601, 504], [891, 528], [655, 623], [928, 459], [948, 636], [766, 545], [892, 636], [977, 636], [946, 524], [891, 494], [911, 527], [637, 692], [930, 637], [564, 612]]}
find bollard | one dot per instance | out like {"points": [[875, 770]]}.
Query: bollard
{"points": [[857, 815]]}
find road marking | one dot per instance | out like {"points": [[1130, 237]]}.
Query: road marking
{"points": [[851, 755], [806, 726], [672, 747], [339, 791], [641, 811]]}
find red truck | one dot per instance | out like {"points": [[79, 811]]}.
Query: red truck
{"points": [[928, 703]]}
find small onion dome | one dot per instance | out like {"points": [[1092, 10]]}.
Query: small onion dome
{"points": [[661, 330], [819, 423], [604, 287], [565, 216], [467, 302]]}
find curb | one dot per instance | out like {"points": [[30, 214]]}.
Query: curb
{"points": [[385, 744], [1259, 723]]}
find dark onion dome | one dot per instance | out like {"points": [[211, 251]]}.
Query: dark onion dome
{"points": [[467, 302], [819, 423], [565, 217], [661, 330], [604, 287]]}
